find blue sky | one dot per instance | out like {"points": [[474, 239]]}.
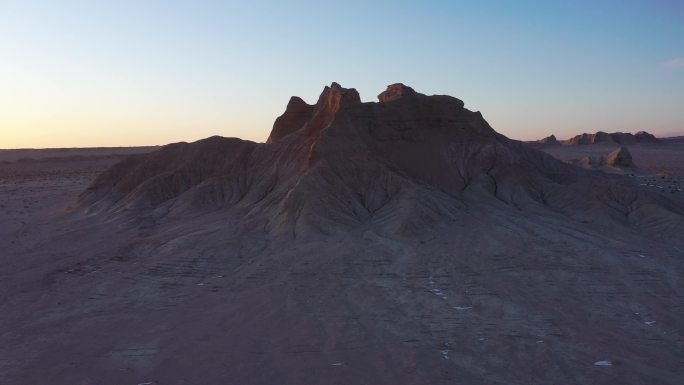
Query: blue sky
{"points": [[84, 73]]}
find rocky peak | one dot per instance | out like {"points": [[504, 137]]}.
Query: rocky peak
{"points": [[621, 157], [396, 91], [613, 138], [300, 116], [336, 96]]}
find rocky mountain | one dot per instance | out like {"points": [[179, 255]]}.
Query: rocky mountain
{"points": [[402, 241]]}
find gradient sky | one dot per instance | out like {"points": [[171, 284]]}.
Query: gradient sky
{"points": [[117, 73]]}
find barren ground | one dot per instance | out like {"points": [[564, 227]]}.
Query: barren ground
{"points": [[482, 302]]}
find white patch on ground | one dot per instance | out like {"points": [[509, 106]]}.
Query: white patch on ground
{"points": [[336, 364], [436, 291], [603, 363], [463, 307], [649, 323], [445, 354]]}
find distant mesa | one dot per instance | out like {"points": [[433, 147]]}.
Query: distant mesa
{"points": [[549, 141], [618, 161], [599, 138], [674, 139], [622, 138]]}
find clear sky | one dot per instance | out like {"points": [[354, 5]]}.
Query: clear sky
{"points": [[116, 73]]}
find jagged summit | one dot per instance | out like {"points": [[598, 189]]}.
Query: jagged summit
{"points": [[549, 140], [310, 119]]}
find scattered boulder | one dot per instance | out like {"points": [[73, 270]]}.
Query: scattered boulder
{"points": [[621, 157]]}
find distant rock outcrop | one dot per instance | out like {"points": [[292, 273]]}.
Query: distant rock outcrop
{"points": [[361, 239], [396, 91], [621, 157], [612, 138], [549, 141]]}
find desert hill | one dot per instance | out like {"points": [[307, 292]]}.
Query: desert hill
{"points": [[408, 162], [549, 141], [402, 241]]}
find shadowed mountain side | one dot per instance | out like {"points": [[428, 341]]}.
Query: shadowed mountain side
{"points": [[405, 164]]}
